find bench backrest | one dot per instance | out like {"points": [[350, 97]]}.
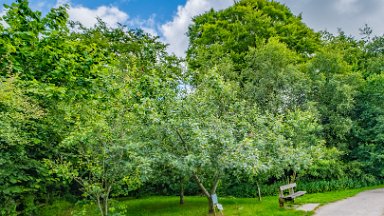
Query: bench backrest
{"points": [[288, 186]]}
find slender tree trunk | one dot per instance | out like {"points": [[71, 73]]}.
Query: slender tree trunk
{"points": [[106, 198], [206, 193], [100, 205], [213, 191], [181, 192], [210, 206], [258, 190], [105, 203], [293, 177], [214, 185]]}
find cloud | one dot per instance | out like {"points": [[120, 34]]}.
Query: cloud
{"points": [[111, 15], [62, 2], [2, 13], [349, 15], [346, 6], [174, 32], [88, 17]]}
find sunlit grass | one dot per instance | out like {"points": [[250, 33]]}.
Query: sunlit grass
{"points": [[197, 206]]}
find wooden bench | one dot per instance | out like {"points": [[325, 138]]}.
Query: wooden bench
{"points": [[292, 194]]}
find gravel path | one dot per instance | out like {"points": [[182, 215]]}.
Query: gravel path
{"points": [[368, 203]]}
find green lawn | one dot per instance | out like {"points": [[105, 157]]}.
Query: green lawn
{"points": [[197, 206]]}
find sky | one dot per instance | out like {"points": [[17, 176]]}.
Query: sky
{"points": [[169, 19]]}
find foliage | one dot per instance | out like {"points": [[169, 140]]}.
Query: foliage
{"points": [[106, 112], [272, 78], [334, 90], [200, 136], [22, 173], [248, 23], [368, 148]]}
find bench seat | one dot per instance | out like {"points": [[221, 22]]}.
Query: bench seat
{"points": [[293, 196]]}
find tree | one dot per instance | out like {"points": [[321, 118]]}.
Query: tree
{"points": [[22, 173], [67, 73], [99, 154], [264, 50], [202, 134], [334, 89], [52, 68], [367, 144], [248, 23], [272, 78]]}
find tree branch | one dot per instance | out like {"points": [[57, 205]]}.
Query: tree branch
{"points": [[201, 185], [215, 184], [182, 140]]}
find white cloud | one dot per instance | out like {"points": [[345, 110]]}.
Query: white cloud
{"points": [[174, 32], [111, 15], [349, 15], [346, 6], [62, 2], [88, 17], [2, 13]]}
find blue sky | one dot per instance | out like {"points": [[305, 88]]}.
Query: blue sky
{"points": [[142, 9], [170, 19], [163, 10]]}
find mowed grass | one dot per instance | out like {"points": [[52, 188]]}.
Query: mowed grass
{"points": [[333, 196], [197, 206], [169, 206]]}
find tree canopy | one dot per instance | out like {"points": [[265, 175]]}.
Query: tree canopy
{"points": [[100, 112]]}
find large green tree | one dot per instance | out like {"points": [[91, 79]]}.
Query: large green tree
{"points": [[89, 82], [248, 23]]}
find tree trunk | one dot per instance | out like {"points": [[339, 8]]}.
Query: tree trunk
{"points": [[206, 193], [105, 203], [258, 190], [293, 177], [100, 205], [181, 192], [106, 198], [210, 206], [213, 191]]}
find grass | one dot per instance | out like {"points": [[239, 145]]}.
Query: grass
{"points": [[328, 197], [197, 206]]}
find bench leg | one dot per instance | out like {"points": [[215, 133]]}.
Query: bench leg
{"points": [[281, 202]]}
